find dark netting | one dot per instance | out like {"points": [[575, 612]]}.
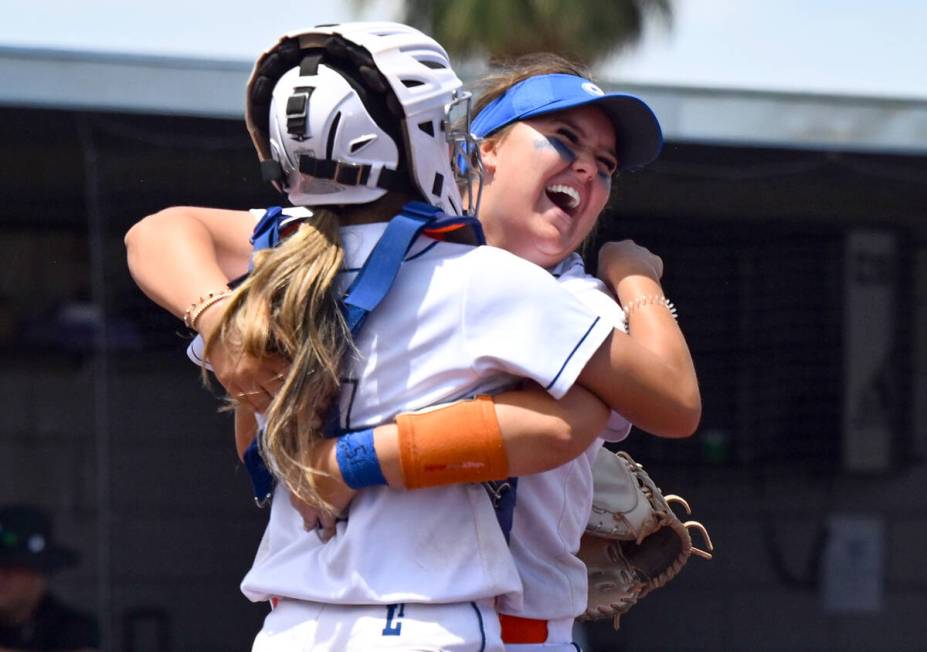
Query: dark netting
{"points": [[761, 307]]}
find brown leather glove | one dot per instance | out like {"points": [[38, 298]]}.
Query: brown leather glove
{"points": [[634, 542]]}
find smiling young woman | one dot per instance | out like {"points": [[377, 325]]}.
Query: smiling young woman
{"points": [[547, 180]]}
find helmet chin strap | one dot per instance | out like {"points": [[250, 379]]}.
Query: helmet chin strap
{"points": [[354, 174]]}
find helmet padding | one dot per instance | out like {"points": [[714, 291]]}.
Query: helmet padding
{"points": [[356, 87]]}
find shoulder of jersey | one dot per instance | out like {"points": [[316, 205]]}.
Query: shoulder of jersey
{"points": [[498, 262], [298, 212]]}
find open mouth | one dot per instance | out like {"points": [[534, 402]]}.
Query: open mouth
{"points": [[565, 197]]}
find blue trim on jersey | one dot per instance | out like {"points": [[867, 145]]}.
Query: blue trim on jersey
{"points": [[422, 252], [196, 358], [569, 357], [479, 617]]}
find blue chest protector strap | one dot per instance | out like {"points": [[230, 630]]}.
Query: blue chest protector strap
{"points": [[376, 277], [365, 293]]}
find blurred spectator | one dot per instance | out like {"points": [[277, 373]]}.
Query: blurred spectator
{"points": [[31, 618]]}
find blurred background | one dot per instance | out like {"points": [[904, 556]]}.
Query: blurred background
{"points": [[790, 207]]}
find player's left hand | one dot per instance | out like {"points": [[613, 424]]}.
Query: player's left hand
{"points": [[313, 519], [249, 380], [324, 525], [330, 488]]}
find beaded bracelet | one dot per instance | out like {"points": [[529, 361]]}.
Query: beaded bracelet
{"points": [[651, 300], [196, 309]]}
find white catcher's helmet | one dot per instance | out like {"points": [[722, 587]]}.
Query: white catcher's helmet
{"points": [[340, 114]]}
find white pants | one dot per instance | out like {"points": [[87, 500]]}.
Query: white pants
{"points": [[296, 626]]}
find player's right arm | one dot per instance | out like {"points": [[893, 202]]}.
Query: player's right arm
{"points": [[181, 254]]}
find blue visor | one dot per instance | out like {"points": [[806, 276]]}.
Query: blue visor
{"points": [[637, 131]]}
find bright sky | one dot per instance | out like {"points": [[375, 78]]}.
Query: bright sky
{"points": [[823, 46]]}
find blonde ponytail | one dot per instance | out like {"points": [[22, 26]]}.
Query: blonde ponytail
{"points": [[288, 306]]}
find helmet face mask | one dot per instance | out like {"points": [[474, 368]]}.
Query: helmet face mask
{"points": [[344, 113], [466, 161]]}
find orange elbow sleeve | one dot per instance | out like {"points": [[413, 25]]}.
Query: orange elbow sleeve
{"points": [[456, 444]]}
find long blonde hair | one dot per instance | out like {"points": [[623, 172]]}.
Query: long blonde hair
{"points": [[289, 306]]}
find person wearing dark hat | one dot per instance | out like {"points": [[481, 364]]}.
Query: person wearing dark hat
{"points": [[31, 618]]}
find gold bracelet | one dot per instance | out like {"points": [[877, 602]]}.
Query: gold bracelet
{"points": [[650, 300], [196, 309]]}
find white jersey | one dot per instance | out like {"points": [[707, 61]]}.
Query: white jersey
{"points": [[458, 321], [553, 507]]}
